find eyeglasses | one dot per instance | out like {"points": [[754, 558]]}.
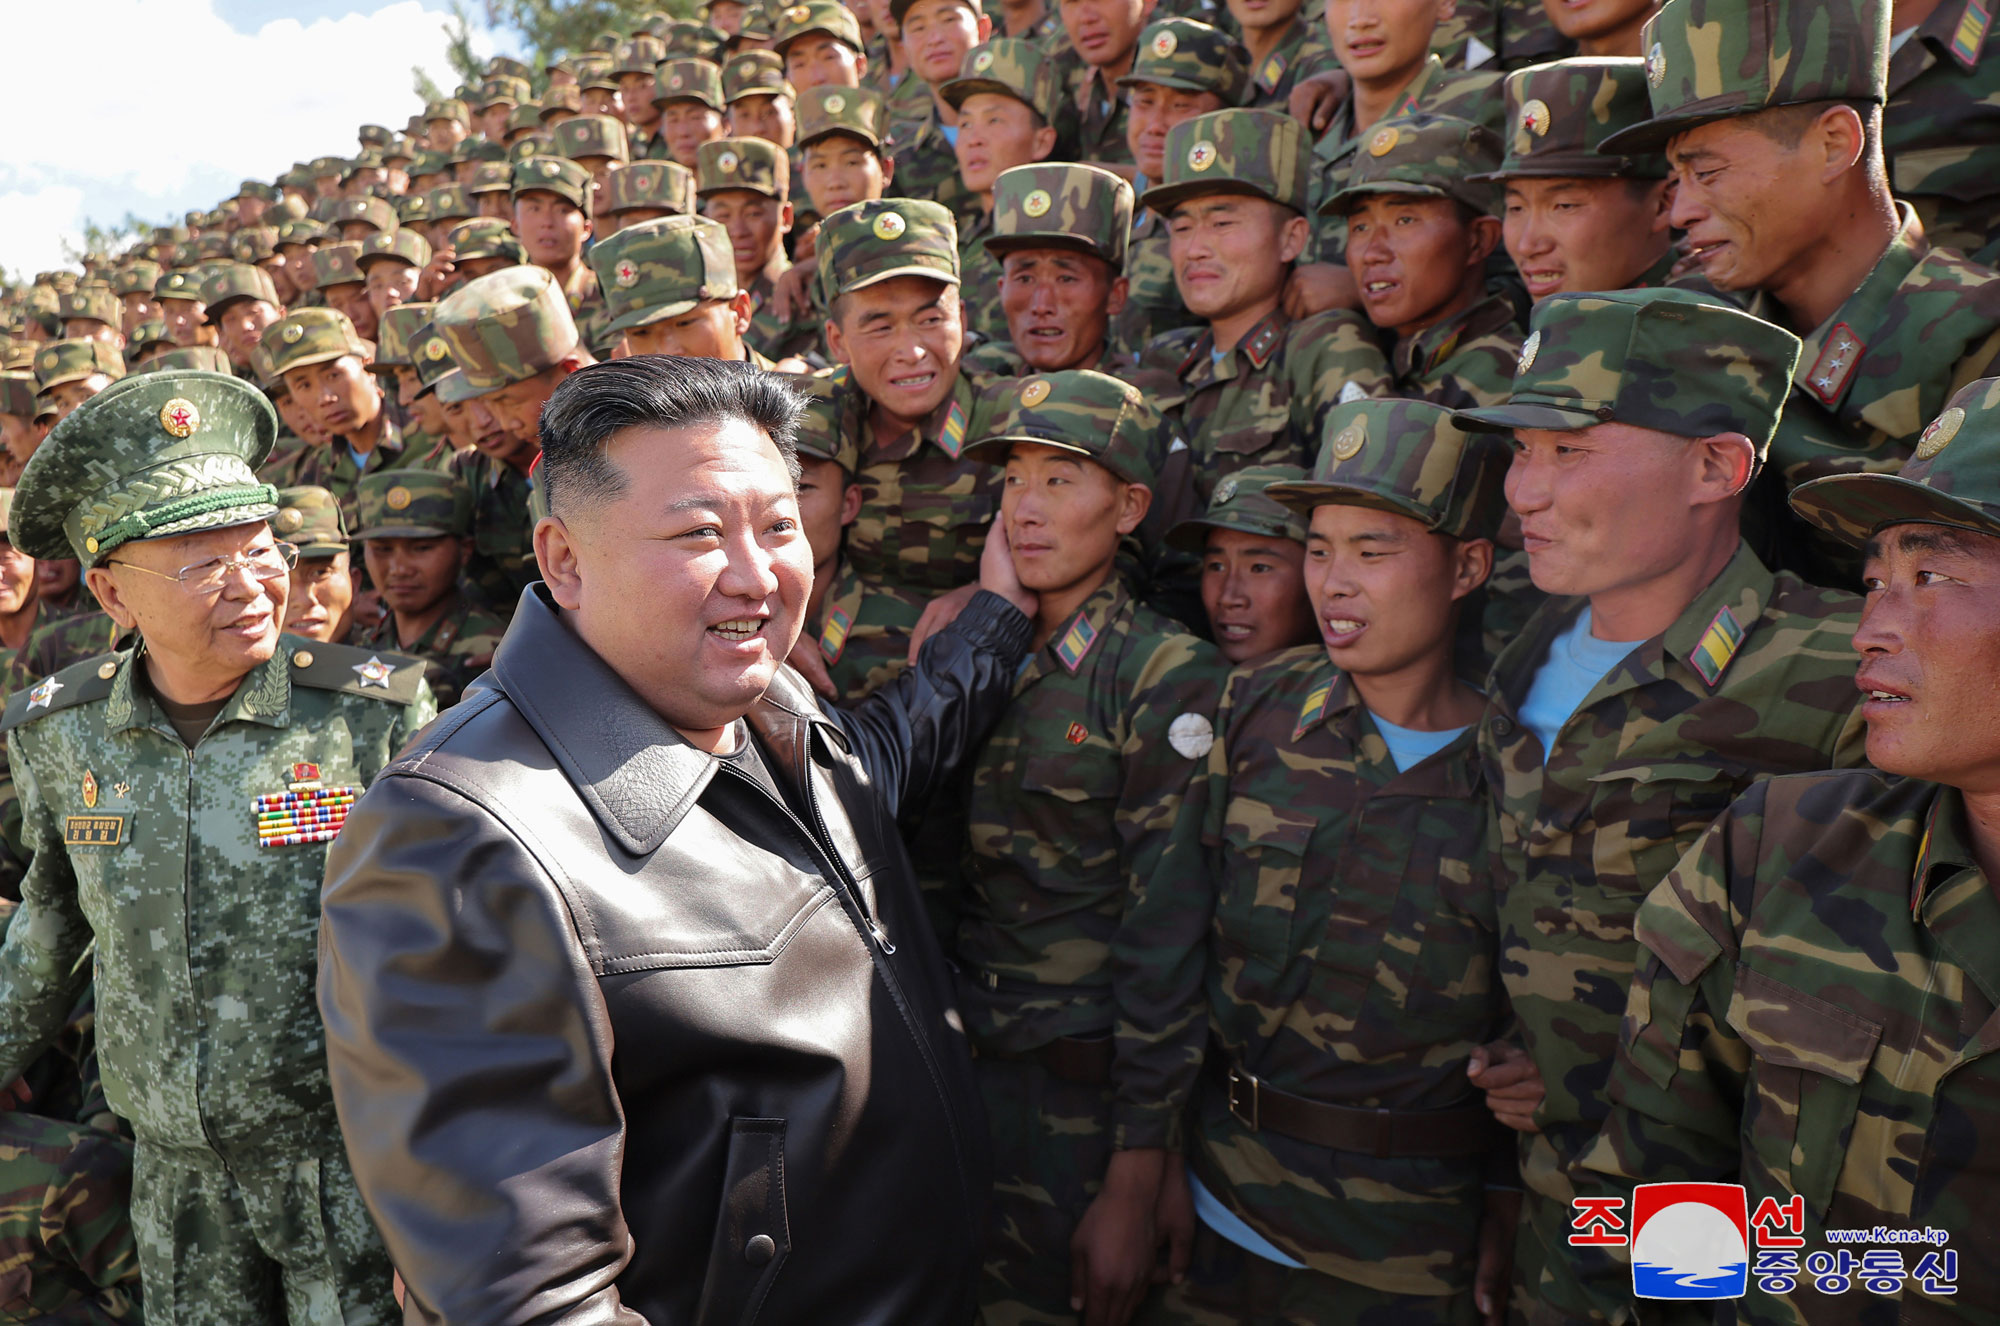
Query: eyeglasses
{"points": [[271, 563]]}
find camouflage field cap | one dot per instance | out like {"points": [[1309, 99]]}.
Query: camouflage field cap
{"points": [[146, 335], [857, 112], [1241, 502], [754, 164], [402, 246], [450, 202], [137, 277], [147, 458], [582, 136], [1440, 156], [205, 358], [1709, 60], [1061, 205], [689, 80], [367, 158], [1192, 56], [686, 39], [376, 212], [502, 90], [59, 362], [373, 135], [1008, 67], [1673, 360], [663, 184], [821, 436], [900, 9], [490, 177], [558, 98], [210, 247], [232, 281], [1256, 152], [478, 149], [641, 55], [323, 168], [540, 143], [597, 74], [309, 519], [413, 209], [557, 175], [503, 328], [336, 264], [311, 336], [411, 504], [17, 394], [1557, 114], [254, 244], [754, 74], [431, 356], [877, 240], [180, 283], [1081, 410], [96, 302], [393, 332], [485, 237], [430, 163], [1952, 479], [1407, 457], [527, 115], [758, 24], [508, 65], [829, 17], [663, 268]]}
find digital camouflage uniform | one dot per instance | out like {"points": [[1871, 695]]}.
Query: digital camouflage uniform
{"points": [[148, 855], [1079, 979], [756, 165], [1753, 678], [571, 183], [1264, 401], [1941, 128]]}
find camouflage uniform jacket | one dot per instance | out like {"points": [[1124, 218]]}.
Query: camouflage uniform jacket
{"points": [[1063, 931], [1100, 125], [906, 107], [1304, 52], [503, 531], [208, 1030], [1352, 962], [1653, 753], [455, 648], [1941, 127], [1814, 1014], [768, 336], [979, 275], [589, 311], [864, 637], [59, 644], [67, 1254], [333, 467], [1153, 305], [1513, 32], [927, 167], [1464, 361], [1262, 403]]}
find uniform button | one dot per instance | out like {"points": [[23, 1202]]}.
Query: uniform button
{"points": [[1503, 727], [303, 659], [107, 670], [760, 1249]]}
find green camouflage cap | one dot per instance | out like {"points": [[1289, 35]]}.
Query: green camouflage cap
{"points": [[180, 283], [527, 115], [258, 190], [298, 177], [758, 24], [17, 394], [450, 200], [1242, 503], [641, 55], [147, 334], [185, 256], [490, 177], [411, 504], [309, 519], [831, 17], [324, 168], [583, 136], [559, 98], [821, 435], [254, 244], [302, 232], [431, 356], [1667, 359], [754, 164], [1952, 479], [502, 90], [1710, 60], [96, 302], [149, 457], [336, 264], [666, 184], [869, 242], [366, 159], [900, 9], [393, 332], [235, 280], [137, 277], [374, 135], [596, 74], [504, 328], [1557, 114], [210, 247], [311, 336], [1008, 67], [663, 268], [688, 40], [1079, 410], [1257, 152], [376, 212], [689, 80], [58, 362], [1061, 205], [485, 237], [754, 74], [540, 143], [1193, 56], [404, 246], [856, 112], [508, 65], [1411, 458], [478, 149], [557, 175], [400, 150], [1440, 156], [430, 163], [202, 358], [413, 209], [450, 108]]}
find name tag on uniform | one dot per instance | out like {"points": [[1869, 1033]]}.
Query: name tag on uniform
{"points": [[93, 830]]}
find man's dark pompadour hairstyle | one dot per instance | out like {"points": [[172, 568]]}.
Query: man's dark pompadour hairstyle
{"points": [[595, 404]]}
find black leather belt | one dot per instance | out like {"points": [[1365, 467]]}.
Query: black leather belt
{"points": [[1384, 1134]]}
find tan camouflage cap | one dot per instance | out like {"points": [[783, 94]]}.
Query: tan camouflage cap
{"points": [[204, 358], [336, 264], [1952, 479], [180, 283], [17, 394], [323, 168], [686, 39], [503, 328], [96, 302], [232, 281], [1192, 56], [1008, 67], [753, 164], [309, 519], [1667, 359], [527, 115], [302, 232], [491, 177], [254, 244], [754, 74], [664, 184], [1710, 60], [413, 209], [883, 238], [1241, 502], [449, 202], [1436, 155], [137, 277], [485, 237], [148, 457], [60, 362], [689, 80], [831, 17], [641, 55], [663, 268], [821, 434], [431, 356], [1558, 113], [1234, 151], [582, 136], [1410, 458], [376, 212], [558, 98], [402, 246], [311, 336], [412, 504], [857, 112], [1061, 205], [1090, 413], [144, 337], [557, 175], [392, 335]]}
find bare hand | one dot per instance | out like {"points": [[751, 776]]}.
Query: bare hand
{"points": [[1494, 1273], [1174, 1218], [1314, 100], [1512, 1083], [1317, 287], [437, 275], [1111, 1254], [809, 663], [791, 293]]}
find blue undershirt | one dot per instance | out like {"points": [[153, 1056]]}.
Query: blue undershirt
{"points": [[1408, 746], [1211, 1212], [1577, 661]]}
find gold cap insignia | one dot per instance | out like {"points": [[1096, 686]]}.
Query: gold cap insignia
{"points": [[1940, 433], [1529, 349], [798, 13], [626, 275], [1347, 442], [289, 519], [1535, 117], [1656, 65], [1164, 44], [890, 225], [292, 335], [835, 104], [179, 417], [1037, 203], [1225, 490], [1384, 142], [1201, 156], [396, 498], [90, 545], [726, 163], [434, 349], [551, 169], [982, 62], [1034, 393]]}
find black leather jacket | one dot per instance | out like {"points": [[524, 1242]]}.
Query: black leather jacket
{"points": [[617, 1037]]}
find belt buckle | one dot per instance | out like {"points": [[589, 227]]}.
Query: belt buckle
{"points": [[1239, 1078], [1385, 1133]]}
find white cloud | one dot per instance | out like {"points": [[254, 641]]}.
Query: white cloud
{"points": [[165, 107]]}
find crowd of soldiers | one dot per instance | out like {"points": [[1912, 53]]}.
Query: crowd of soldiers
{"points": [[1316, 358]]}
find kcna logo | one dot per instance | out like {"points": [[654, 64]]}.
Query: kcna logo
{"points": [[1689, 1240]]}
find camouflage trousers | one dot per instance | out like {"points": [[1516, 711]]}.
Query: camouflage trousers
{"points": [[1230, 1286], [1051, 1144], [66, 1254], [284, 1240]]}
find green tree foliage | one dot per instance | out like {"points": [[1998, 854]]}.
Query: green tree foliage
{"points": [[552, 28]]}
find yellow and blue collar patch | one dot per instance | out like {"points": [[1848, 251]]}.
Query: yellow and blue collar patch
{"points": [[1718, 646]]}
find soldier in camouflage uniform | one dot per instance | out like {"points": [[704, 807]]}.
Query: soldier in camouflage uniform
{"points": [[1079, 977], [552, 216], [1652, 688], [241, 303], [415, 532], [391, 264], [1285, 42], [1940, 130], [759, 99], [843, 160], [320, 604], [829, 501], [1419, 231], [423, 427], [642, 191], [134, 287], [926, 162], [672, 289], [1095, 67], [91, 313], [597, 143], [689, 96], [1252, 552], [209, 1038], [820, 43], [179, 296], [66, 1236], [337, 277], [68, 373], [1341, 1162], [744, 185]]}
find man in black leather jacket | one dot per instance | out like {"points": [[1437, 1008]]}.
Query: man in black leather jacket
{"points": [[632, 1012]]}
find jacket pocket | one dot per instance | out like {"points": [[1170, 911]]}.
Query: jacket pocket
{"points": [[1643, 817], [752, 1236], [1810, 1060], [1261, 873]]}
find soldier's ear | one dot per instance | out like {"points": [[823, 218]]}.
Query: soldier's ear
{"points": [[1114, 298], [1472, 563], [888, 171], [105, 587], [1482, 239], [1841, 137], [850, 504], [1293, 235], [1138, 500], [1725, 463], [1044, 142]]}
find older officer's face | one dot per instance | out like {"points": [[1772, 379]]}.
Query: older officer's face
{"points": [[209, 604]]}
